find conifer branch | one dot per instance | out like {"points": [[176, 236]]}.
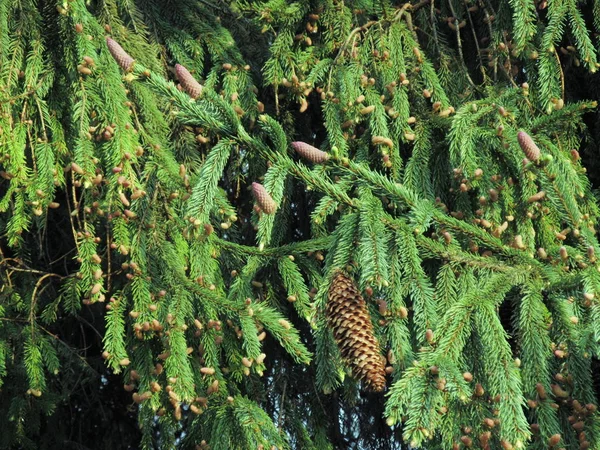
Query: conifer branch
{"points": [[127, 206]]}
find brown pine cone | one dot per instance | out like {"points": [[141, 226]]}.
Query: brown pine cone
{"points": [[309, 152], [263, 198], [187, 81], [349, 319], [120, 55], [532, 151]]}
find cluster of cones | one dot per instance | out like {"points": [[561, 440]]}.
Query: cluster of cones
{"points": [[263, 198], [125, 61]]}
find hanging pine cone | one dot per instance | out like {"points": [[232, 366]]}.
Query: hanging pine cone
{"points": [[120, 55], [349, 319], [309, 152], [531, 150], [264, 200], [187, 81]]}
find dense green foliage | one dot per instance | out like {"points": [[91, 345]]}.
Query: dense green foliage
{"points": [[146, 301]]}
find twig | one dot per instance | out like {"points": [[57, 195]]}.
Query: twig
{"points": [[281, 406], [318, 396], [17, 97], [55, 336], [27, 269], [459, 43], [34, 293], [476, 42], [489, 24], [562, 75], [343, 48], [397, 16], [87, 322], [434, 27], [309, 245], [83, 360]]}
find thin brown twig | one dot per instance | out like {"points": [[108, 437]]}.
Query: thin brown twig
{"points": [[397, 16], [17, 97], [459, 44], [71, 350], [71, 217], [562, 75], [26, 269], [34, 295], [89, 324], [434, 26], [489, 24], [282, 406], [343, 48], [475, 39]]}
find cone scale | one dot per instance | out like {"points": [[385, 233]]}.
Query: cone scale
{"points": [[349, 319]]}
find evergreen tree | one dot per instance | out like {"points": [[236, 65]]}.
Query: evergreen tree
{"points": [[299, 224]]}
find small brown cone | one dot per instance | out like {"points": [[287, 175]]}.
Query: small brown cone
{"points": [[536, 197], [120, 55], [349, 319], [187, 81], [264, 200], [554, 440], [309, 152], [532, 151]]}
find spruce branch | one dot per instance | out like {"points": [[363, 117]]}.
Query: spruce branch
{"points": [[310, 245], [429, 209]]}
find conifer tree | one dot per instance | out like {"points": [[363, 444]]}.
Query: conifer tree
{"points": [[299, 224]]}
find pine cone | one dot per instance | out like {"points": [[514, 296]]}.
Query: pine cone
{"points": [[264, 200], [531, 150], [348, 317], [187, 81], [120, 55], [309, 152]]}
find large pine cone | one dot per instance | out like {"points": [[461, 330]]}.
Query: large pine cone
{"points": [[349, 318]]}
